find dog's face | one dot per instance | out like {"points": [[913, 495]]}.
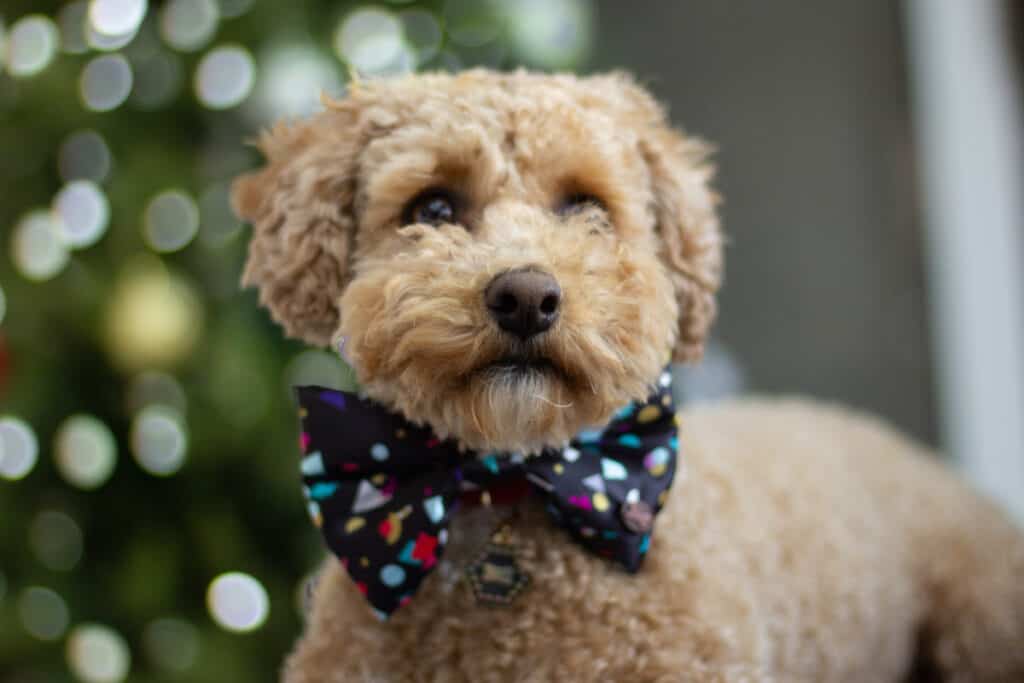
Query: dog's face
{"points": [[509, 257]]}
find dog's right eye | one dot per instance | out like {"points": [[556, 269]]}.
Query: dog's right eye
{"points": [[433, 207]]}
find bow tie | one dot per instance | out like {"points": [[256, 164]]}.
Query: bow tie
{"points": [[383, 490]]}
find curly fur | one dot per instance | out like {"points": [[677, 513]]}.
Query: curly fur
{"points": [[802, 543]]}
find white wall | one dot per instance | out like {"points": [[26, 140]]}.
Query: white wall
{"points": [[967, 111]]}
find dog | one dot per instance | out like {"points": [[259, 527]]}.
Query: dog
{"points": [[510, 258]]}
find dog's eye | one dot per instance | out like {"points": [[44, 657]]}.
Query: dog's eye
{"points": [[577, 202], [433, 207]]}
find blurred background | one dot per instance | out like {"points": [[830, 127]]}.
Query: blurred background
{"points": [[151, 523]]}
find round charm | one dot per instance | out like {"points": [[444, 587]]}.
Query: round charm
{"points": [[638, 517]]}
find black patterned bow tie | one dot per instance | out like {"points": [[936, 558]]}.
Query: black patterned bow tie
{"points": [[383, 490]]}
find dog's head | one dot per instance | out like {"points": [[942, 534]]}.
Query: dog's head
{"points": [[509, 257]]}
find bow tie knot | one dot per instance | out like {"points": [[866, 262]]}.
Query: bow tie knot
{"points": [[383, 490]]}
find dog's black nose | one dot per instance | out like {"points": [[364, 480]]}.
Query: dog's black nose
{"points": [[523, 301]]}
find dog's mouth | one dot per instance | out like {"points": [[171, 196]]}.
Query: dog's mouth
{"points": [[521, 365], [524, 366]]}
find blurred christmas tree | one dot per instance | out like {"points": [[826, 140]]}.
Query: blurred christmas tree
{"points": [[152, 527]]}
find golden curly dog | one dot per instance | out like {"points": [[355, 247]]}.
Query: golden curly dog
{"points": [[800, 543]]}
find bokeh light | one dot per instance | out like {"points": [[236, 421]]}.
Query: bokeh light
{"points": [[56, 540], [188, 25], [84, 155], [473, 23], [217, 221], [72, 20], [234, 8], [291, 80], [159, 440], [32, 44], [85, 451], [158, 80], [225, 77], [117, 17], [171, 221], [238, 602], [98, 654], [171, 644], [3, 310], [154, 317], [370, 39], [106, 82], [422, 33], [104, 42], [155, 388], [550, 33], [38, 248], [43, 613], [83, 211], [19, 448]]}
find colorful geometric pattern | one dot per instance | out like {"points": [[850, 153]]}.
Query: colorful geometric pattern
{"points": [[382, 490]]}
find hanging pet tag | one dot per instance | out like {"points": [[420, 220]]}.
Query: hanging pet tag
{"points": [[496, 577]]}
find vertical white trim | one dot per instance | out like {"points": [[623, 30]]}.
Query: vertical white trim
{"points": [[970, 147]]}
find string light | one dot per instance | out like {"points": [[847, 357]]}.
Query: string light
{"points": [[238, 602], [234, 8], [43, 613], [155, 388], [38, 248], [218, 224], [19, 448], [154, 317], [83, 211], [105, 42], [291, 81], [117, 17], [188, 25], [171, 643], [370, 40], [422, 33], [84, 155], [550, 33], [171, 221], [56, 540], [225, 77], [98, 654], [158, 81], [72, 20], [472, 23], [86, 452], [106, 82], [159, 440], [31, 45]]}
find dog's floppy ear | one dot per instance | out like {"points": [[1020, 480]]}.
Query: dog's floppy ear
{"points": [[300, 206], [687, 222], [684, 208]]}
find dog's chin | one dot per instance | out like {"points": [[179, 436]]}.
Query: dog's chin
{"points": [[520, 403], [517, 404], [510, 400]]}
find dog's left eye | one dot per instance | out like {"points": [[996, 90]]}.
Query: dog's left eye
{"points": [[578, 202], [433, 207]]}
